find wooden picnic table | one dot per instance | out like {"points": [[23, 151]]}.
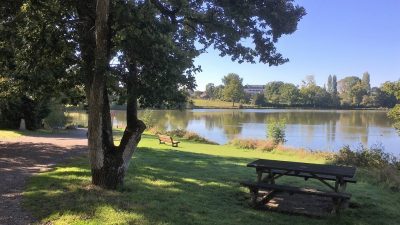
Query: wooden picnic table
{"points": [[268, 171]]}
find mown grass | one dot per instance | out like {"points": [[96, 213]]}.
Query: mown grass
{"points": [[192, 184], [11, 134], [205, 103]]}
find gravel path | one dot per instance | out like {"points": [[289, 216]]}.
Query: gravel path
{"points": [[22, 157]]}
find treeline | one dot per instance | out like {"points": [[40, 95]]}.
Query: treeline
{"points": [[349, 92]]}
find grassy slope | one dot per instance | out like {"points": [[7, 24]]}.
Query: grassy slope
{"points": [[192, 184], [203, 103]]}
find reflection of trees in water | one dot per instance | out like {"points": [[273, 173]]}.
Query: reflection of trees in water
{"points": [[359, 122], [230, 121]]}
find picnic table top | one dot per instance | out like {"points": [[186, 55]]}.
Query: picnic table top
{"points": [[339, 171]]}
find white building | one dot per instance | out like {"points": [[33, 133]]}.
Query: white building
{"points": [[254, 89]]}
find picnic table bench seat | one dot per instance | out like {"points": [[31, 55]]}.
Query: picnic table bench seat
{"points": [[292, 190], [339, 198], [168, 139], [307, 175]]}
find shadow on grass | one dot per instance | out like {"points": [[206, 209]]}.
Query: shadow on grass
{"points": [[175, 187]]}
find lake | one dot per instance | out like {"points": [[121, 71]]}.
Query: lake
{"points": [[326, 130]]}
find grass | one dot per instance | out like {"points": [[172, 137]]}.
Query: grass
{"points": [[204, 103], [12, 134], [9, 134], [192, 184]]}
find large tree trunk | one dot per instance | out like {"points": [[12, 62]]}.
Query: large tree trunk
{"points": [[109, 163]]}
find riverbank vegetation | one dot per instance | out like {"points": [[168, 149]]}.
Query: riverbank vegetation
{"points": [[348, 92], [192, 184]]}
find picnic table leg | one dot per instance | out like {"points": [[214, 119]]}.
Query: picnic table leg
{"points": [[259, 175], [254, 196]]}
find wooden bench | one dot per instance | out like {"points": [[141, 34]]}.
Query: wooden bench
{"points": [[167, 139], [338, 197], [307, 176]]}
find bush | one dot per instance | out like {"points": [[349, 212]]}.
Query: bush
{"points": [[181, 133], [373, 157], [276, 132], [253, 144], [56, 117], [148, 118], [377, 165]]}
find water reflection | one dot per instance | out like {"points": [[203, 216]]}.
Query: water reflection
{"points": [[313, 129]]}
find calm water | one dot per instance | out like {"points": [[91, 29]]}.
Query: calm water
{"points": [[311, 129]]}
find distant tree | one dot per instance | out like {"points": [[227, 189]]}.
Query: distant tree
{"points": [[219, 92], [272, 92], [258, 100], [365, 82], [334, 85], [233, 88], [210, 90], [313, 95], [356, 94], [393, 88], [346, 92], [391, 92], [309, 81], [289, 94], [330, 85], [334, 95]]}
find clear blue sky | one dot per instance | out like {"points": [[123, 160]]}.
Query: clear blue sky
{"points": [[341, 37]]}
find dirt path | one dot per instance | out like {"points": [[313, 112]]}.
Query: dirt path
{"points": [[22, 157]]}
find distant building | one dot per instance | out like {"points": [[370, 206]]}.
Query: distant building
{"points": [[254, 89]]}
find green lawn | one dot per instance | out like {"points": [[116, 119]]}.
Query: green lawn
{"points": [[192, 184], [204, 103], [12, 134]]}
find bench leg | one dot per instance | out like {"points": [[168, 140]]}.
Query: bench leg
{"points": [[338, 204], [253, 197]]}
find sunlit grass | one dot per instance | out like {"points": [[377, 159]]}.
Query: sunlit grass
{"points": [[204, 103], [9, 134], [192, 184], [12, 134]]}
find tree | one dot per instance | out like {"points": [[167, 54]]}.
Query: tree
{"points": [[289, 94], [272, 91], [356, 94], [365, 82], [334, 95], [155, 43], [233, 88], [393, 88], [210, 90], [330, 85], [258, 100], [345, 86]]}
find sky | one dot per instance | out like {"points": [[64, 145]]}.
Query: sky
{"points": [[337, 37]]}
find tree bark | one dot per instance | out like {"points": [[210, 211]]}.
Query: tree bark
{"points": [[109, 163]]}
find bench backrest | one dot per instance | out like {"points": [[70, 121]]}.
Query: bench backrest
{"points": [[165, 138]]}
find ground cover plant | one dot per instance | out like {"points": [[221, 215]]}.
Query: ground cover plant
{"points": [[192, 184]]}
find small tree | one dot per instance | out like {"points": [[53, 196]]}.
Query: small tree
{"points": [[276, 132], [233, 88]]}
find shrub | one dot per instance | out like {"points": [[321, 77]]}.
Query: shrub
{"points": [[181, 133], [276, 132], [253, 144], [373, 157], [56, 117], [374, 162], [147, 116], [177, 133]]}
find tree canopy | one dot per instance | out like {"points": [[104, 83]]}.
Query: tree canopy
{"points": [[140, 51]]}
